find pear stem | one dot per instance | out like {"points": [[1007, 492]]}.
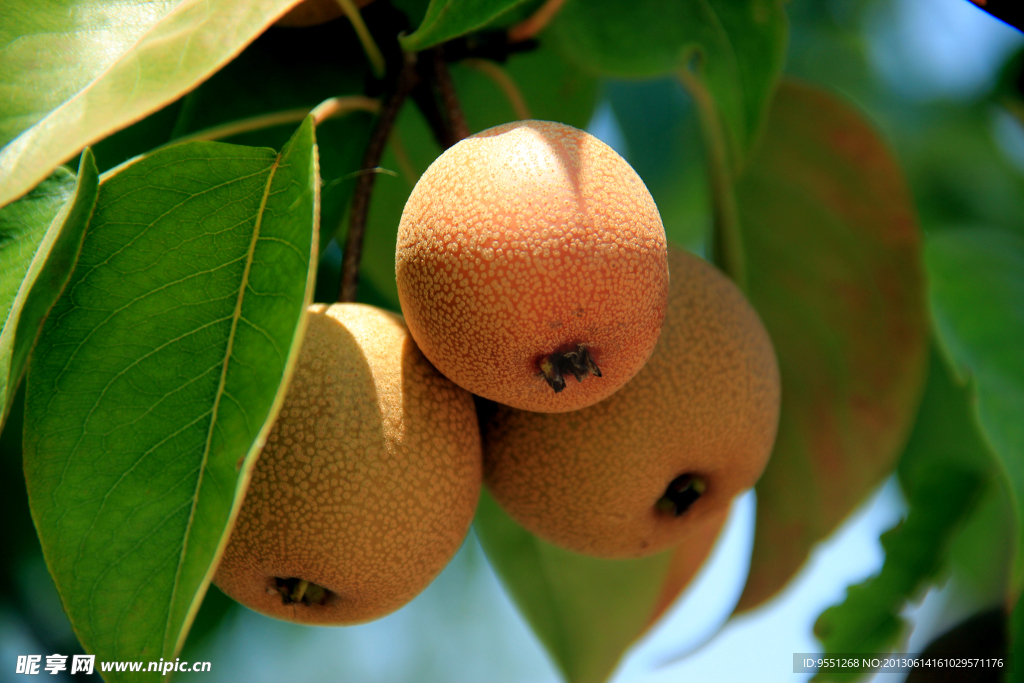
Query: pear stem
{"points": [[536, 22], [727, 242], [501, 79], [360, 207], [373, 53]]}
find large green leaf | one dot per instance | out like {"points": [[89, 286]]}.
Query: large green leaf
{"points": [[283, 70], [834, 269], [447, 19], [586, 611], [156, 378], [289, 70], [40, 236], [944, 470], [977, 297], [74, 71], [735, 47]]}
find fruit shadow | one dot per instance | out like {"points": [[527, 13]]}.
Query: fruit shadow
{"points": [[358, 394], [359, 436]]}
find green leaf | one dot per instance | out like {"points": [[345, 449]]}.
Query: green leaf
{"points": [[283, 71], [944, 471], [447, 19], [586, 611], [1016, 637], [124, 64], [977, 297], [663, 145], [157, 376], [834, 269], [40, 236], [959, 171], [736, 46]]}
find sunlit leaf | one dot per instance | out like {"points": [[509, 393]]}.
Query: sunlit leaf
{"points": [[156, 377], [74, 71], [447, 19], [834, 269], [40, 235], [735, 48], [586, 611], [944, 470]]}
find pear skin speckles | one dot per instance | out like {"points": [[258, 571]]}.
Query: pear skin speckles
{"points": [[646, 468], [518, 247], [368, 481]]}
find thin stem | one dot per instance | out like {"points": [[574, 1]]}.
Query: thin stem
{"points": [[536, 22], [449, 100], [231, 128], [373, 52], [334, 107], [727, 241], [409, 171], [504, 82], [364, 185], [328, 109]]}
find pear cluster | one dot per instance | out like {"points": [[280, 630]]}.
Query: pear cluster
{"points": [[624, 409]]}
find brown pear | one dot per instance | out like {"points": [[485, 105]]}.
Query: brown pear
{"points": [[368, 481], [531, 266], [646, 468]]}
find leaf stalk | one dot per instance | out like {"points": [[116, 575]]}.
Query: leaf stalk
{"points": [[727, 241]]}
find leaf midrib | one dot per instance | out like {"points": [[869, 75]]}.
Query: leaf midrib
{"points": [[236, 316]]}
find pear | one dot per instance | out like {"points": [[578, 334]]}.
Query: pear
{"points": [[531, 266], [646, 468], [368, 481]]}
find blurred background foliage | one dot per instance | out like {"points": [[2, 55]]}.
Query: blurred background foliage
{"points": [[942, 82]]}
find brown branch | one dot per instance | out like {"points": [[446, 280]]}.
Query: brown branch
{"points": [[426, 99], [406, 81], [449, 100]]}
